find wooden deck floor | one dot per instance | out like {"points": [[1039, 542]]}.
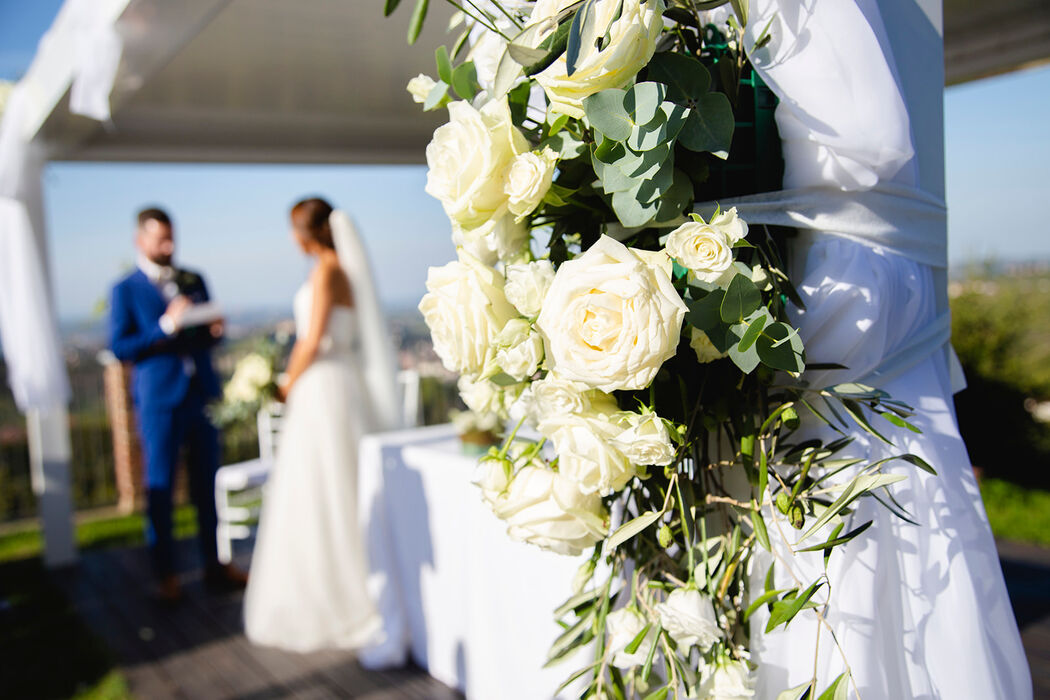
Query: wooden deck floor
{"points": [[197, 650]]}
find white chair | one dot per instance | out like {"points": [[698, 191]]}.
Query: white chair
{"points": [[238, 487], [408, 382]]}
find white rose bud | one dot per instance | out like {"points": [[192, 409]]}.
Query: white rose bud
{"points": [[528, 180], [465, 309], [728, 680], [527, 285], [587, 452], [419, 87], [702, 248], [520, 349], [468, 158], [492, 475], [645, 440], [623, 626], [704, 348], [482, 396], [611, 319], [732, 226], [502, 239], [689, 618], [545, 508], [633, 26]]}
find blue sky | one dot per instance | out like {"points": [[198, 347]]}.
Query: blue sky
{"points": [[231, 219]]}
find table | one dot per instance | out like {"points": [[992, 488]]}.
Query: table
{"points": [[470, 605]]}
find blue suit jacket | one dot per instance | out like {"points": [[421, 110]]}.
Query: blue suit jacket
{"points": [[159, 379]]}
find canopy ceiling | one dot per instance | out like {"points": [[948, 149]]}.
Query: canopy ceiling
{"points": [[258, 80], [323, 80]]}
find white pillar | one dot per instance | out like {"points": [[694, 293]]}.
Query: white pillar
{"points": [[49, 465]]}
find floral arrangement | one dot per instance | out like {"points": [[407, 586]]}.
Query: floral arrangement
{"points": [[643, 351], [253, 384]]}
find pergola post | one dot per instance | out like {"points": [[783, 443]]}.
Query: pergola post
{"points": [[49, 465]]}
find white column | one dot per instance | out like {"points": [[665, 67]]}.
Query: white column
{"points": [[49, 465]]}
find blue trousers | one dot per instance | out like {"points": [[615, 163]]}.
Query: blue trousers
{"points": [[164, 431]]}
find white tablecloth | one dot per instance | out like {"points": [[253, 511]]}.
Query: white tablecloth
{"points": [[470, 606]]}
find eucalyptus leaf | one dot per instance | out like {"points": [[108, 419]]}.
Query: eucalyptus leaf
{"points": [[642, 101], [779, 349], [741, 299], [754, 328], [644, 137], [465, 80], [704, 314], [444, 64], [676, 198], [630, 211], [436, 96], [686, 78], [606, 112], [709, 126]]}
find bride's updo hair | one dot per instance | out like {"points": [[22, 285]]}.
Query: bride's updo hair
{"points": [[310, 218]]}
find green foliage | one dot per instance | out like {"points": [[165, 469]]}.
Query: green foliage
{"points": [[1017, 513]]}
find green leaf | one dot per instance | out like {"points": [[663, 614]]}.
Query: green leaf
{"points": [[572, 49], [525, 55], [741, 299], [857, 414], [799, 692], [860, 392], [709, 126], [746, 360], [415, 25], [575, 676], [565, 145], [839, 690], [642, 101], [784, 611], [554, 45], [436, 96], [607, 114], [558, 124], [631, 211], [444, 65], [780, 348], [705, 313], [389, 6], [898, 421], [675, 198], [659, 693], [567, 640], [631, 528], [638, 639], [760, 529], [761, 600], [857, 487], [645, 137], [576, 601], [835, 541], [686, 78], [518, 101], [754, 328], [465, 80]]}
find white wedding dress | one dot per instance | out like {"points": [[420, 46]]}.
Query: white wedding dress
{"points": [[307, 588]]}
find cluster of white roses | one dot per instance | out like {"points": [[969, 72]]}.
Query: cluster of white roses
{"points": [[251, 375]]}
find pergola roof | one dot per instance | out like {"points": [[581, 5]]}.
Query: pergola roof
{"points": [[323, 80], [250, 80]]}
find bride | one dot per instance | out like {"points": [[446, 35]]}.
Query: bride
{"points": [[307, 586]]}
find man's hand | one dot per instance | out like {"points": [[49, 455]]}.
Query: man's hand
{"points": [[218, 328], [171, 321]]}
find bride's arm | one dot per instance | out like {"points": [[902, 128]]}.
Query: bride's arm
{"points": [[305, 349]]}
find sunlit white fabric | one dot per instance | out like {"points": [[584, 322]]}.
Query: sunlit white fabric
{"points": [[919, 611]]}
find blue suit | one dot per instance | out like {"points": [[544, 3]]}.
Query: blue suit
{"points": [[172, 381]]}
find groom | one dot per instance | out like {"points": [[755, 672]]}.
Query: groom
{"points": [[172, 381]]}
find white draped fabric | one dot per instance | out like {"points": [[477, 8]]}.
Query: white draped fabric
{"points": [[918, 611], [28, 329], [468, 604]]}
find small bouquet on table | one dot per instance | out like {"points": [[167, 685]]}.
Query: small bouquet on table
{"points": [[252, 387], [602, 299]]}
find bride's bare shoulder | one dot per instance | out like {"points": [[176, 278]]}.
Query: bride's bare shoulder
{"points": [[329, 275]]}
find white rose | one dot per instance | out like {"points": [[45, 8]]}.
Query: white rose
{"points": [[544, 508], [632, 42], [732, 226], [492, 475], [255, 370], [704, 348], [465, 309], [702, 248], [728, 680], [587, 453], [520, 349], [623, 626], [482, 397], [528, 180], [419, 87], [549, 397], [610, 319], [238, 390], [527, 285], [689, 618], [468, 159], [498, 239], [645, 440]]}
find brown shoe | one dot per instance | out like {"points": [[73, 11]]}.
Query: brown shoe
{"points": [[225, 577], [168, 590]]}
